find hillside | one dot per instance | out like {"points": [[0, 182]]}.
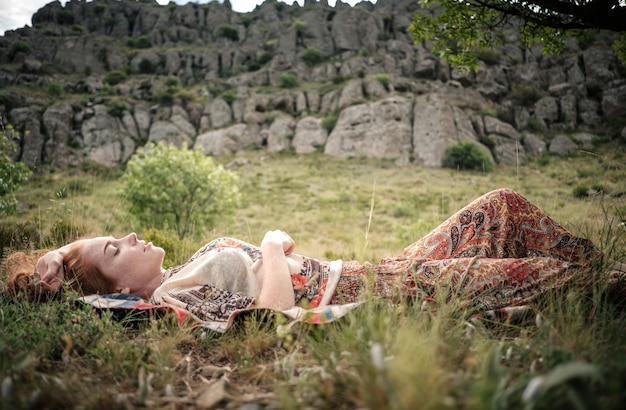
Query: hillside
{"points": [[96, 80]]}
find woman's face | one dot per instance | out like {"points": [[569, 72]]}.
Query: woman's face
{"points": [[127, 262]]}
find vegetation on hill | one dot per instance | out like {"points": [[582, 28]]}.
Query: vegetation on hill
{"points": [[571, 353]]}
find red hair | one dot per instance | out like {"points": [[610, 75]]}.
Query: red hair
{"points": [[80, 275]]}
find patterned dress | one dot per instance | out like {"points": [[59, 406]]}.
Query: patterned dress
{"points": [[496, 253], [499, 251]]}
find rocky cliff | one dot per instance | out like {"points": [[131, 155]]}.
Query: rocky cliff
{"points": [[96, 80]]}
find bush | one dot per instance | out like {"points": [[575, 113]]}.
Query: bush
{"points": [[264, 57], [383, 78], [12, 174], [526, 95], [229, 95], [329, 122], [139, 42], [489, 56], [146, 66], [312, 57], [178, 189], [19, 47], [581, 191], [467, 155], [287, 81], [228, 31], [172, 81], [301, 27], [55, 90], [77, 30], [114, 77], [65, 17], [116, 108]]}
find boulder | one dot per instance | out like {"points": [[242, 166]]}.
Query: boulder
{"points": [[169, 133], [380, 129], [309, 135], [104, 138], [26, 121], [562, 144], [229, 140], [280, 132], [498, 127], [435, 121], [534, 145]]}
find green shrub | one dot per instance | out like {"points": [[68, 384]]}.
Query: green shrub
{"points": [[55, 90], [100, 8], [312, 57], [228, 31], [146, 66], [12, 174], [534, 124], [383, 78], [580, 191], [116, 108], [300, 26], [287, 81], [172, 81], [107, 90], [178, 188], [139, 42], [264, 57], [19, 47], [77, 30], [114, 77], [526, 95], [489, 56], [329, 122], [65, 16], [467, 155], [229, 95]]}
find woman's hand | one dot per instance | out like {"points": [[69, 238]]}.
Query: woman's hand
{"points": [[276, 289], [49, 271], [280, 237]]}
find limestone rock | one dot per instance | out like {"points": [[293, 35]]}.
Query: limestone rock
{"points": [[279, 132], [381, 129], [309, 135], [562, 144]]}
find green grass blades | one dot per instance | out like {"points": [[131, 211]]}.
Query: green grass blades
{"points": [[569, 354]]}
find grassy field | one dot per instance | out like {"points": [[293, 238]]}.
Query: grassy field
{"points": [[58, 355]]}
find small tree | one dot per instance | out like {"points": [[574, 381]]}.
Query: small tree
{"points": [[178, 188], [12, 174], [467, 155]]}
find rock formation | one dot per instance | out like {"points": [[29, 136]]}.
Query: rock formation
{"points": [[97, 80]]}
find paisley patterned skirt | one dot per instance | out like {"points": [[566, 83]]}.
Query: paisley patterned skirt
{"points": [[499, 251]]}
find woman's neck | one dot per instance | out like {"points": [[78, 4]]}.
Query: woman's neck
{"points": [[146, 291]]}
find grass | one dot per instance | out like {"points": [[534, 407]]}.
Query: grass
{"points": [[398, 356]]}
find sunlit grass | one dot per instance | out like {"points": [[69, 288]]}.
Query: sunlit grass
{"points": [[383, 355]]}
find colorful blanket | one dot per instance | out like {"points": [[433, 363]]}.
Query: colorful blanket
{"points": [[125, 303]]}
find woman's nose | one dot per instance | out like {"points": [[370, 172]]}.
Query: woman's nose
{"points": [[132, 237]]}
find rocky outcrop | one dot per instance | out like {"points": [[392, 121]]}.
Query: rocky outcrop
{"points": [[202, 75]]}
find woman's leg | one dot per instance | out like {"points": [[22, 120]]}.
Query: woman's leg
{"points": [[501, 224]]}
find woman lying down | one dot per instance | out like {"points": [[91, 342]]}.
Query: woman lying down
{"points": [[498, 252]]}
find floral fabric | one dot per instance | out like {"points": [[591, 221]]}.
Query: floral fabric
{"points": [[499, 251], [209, 303]]}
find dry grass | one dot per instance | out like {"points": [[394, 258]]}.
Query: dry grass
{"points": [[381, 356]]}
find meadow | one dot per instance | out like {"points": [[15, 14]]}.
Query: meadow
{"points": [[571, 354]]}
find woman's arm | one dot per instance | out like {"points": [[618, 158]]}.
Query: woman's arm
{"points": [[276, 288], [49, 269]]}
